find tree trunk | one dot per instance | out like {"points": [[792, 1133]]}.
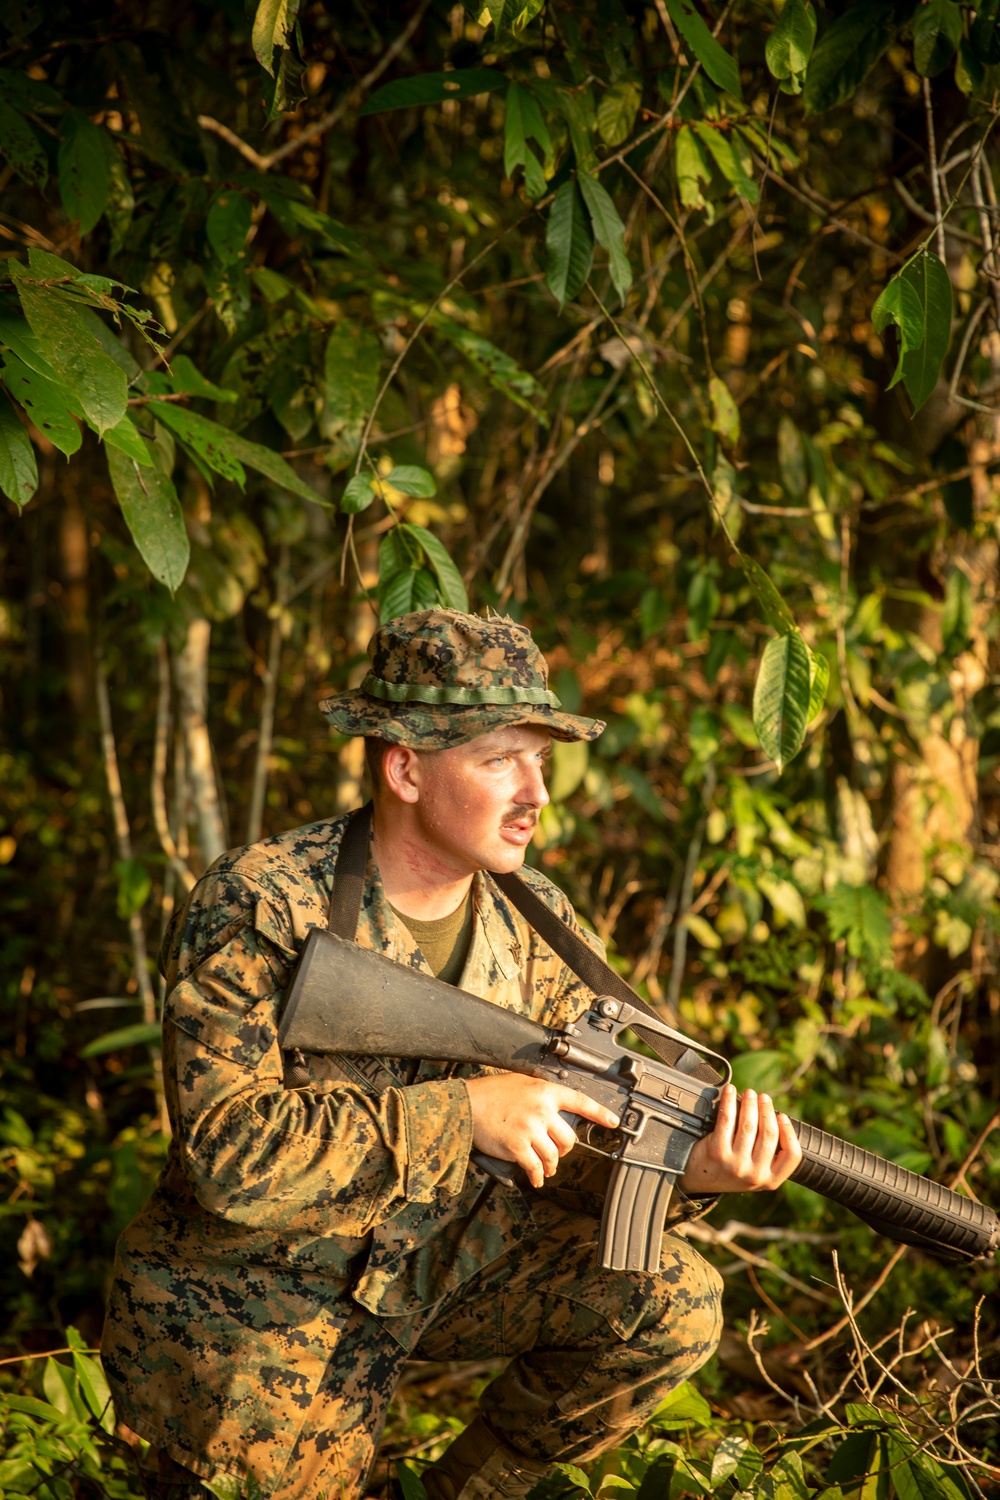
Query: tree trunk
{"points": [[191, 675]]}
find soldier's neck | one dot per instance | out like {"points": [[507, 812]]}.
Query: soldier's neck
{"points": [[420, 878]]}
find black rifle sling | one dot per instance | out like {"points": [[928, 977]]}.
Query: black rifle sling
{"points": [[345, 908], [592, 969], [349, 875]]}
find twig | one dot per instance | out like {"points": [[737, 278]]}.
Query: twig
{"points": [[932, 162], [137, 933], [845, 561], [272, 669], [963, 348], [919, 212], [157, 790], [975, 1149]]}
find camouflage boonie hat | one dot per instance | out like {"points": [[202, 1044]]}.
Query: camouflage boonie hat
{"points": [[440, 678]]}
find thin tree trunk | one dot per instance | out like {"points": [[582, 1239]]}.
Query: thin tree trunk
{"points": [[359, 629], [123, 838], [158, 780], [265, 736], [191, 674]]}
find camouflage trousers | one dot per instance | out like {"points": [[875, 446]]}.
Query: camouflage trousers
{"points": [[593, 1353]]}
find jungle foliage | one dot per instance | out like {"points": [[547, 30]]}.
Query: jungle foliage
{"points": [[671, 328]]}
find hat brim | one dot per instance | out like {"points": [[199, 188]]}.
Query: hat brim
{"points": [[425, 726]]}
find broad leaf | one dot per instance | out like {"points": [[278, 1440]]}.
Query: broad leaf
{"points": [[351, 366], [846, 53], [21, 146], [937, 31], [450, 587], [789, 47], [358, 495], [617, 111], [141, 1034], [431, 88], [411, 479], [781, 697], [609, 231], [729, 160], [922, 365], [153, 515], [725, 412], [15, 334], [720, 66], [273, 21], [46, 402], [93, 377], [186, 379], [819, 681], [18, 470], [409, 1482], [522, 119], [693, 169], [400, 556], [730, 1453], [899, 304], [984, 37], [95, 1389], [209, 440], [956, 618], [773, 607], [130, 441], [858, 914], [228, 225], [569, 243], [84, 169]]}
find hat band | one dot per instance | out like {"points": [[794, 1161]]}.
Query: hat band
{"points": [[415, 692]]}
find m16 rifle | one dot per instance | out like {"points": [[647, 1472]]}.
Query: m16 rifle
{"points": [[348, 1000]]}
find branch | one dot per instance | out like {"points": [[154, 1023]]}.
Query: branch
{"points": [[935, 181], [271, 672], [158, 791]]}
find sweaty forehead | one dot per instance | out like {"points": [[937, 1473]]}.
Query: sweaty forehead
{"points": [[511, 738]]}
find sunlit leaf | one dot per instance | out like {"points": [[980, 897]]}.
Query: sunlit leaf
{"points": [[351, 365], [142, 1034], [449, 580], [728, 160], [725, 412], [92, 376], [609, 231], [358, 495], [789, 47], [819, 680], [273, 20], [781, 697], [956, 619], [900, 305], [411, 479], [922, 365], [773, 607], [617, 110]]}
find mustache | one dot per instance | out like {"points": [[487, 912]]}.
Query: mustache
{"points": [[524, 812]]}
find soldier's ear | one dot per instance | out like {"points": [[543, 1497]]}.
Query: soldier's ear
{"points": [[400, 774]]}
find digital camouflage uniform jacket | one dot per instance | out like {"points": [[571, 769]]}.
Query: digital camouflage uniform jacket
{"points": [[280, 1206]]}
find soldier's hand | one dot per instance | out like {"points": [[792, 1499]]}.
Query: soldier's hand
{"points": [[751, 1148], [517, 1118]]}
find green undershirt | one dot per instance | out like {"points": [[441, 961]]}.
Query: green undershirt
{"points": [[444, 942]]}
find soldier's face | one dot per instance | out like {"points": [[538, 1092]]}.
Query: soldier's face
{"points": [[477, 805]]}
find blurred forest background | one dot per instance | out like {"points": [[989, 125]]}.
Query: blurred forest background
{"points": [[316, 311]]}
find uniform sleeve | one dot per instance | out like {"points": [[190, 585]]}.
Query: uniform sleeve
{"points": [[335, 1160]]}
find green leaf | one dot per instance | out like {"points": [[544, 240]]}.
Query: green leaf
{"points": [[62, 1388], [358, 495], [956, 619], [411, 1486], [858, 914], [984, 37], [514, 140], [791, 459], [211, 441], [94, 1388], [351, 365], [431, 88], [725, 412], [732, 1449], [922, 365], [900, 305], [728, 160], [273, 21], [781, 698], [522, 119], [84, 168], [186, 380], [569, 243], [127, 437], [134, 886], [93, 377], [399, 558], [46, 402], [22, 148], [153, 515], [141, 1034], [609, 231], [789, 47], [450, 587], [847, 51], [617, 111], [16, 335], [720, 66], [684, 1403], [228, 225], [764, 1070], [937, 31], [18, 470], [411, 479], [503, 373], [772, 605], [819, 679], [693, 169]]}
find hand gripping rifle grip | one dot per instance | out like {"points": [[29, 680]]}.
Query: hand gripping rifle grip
{"points": [[894, 1202]]}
